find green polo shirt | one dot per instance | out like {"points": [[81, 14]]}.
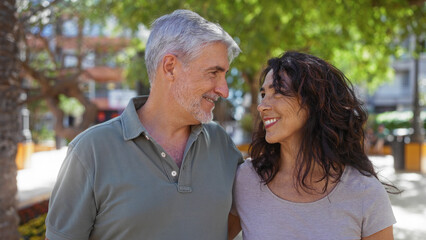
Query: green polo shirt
{"points": [[116, 182]]}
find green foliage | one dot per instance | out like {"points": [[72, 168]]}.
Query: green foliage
{"points": [[398, 119], [371, 120], [357, 36], [246, 123], [133, 59], [236, 81], [43, 134], [42, 61], [70, 106], [34, 229], [38, 126]]}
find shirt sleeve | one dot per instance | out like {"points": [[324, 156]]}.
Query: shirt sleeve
{"points": [[233, 207], [236, 192], [72, 208], [377, 209]]}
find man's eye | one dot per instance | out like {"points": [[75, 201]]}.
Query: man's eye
{"points": [[213, 74]]}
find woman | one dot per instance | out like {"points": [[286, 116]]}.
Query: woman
{"points": [[309, 177]]}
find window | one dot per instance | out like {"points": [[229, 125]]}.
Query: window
{"points": [[403, 77]]}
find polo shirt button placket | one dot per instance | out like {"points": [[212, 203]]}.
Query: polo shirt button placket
{"points": [[173, 173]]}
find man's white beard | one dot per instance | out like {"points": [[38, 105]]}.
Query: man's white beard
{"points": [[191, 104]]}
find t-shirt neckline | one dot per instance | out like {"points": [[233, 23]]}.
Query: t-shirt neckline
{"points": [[325, 199]]}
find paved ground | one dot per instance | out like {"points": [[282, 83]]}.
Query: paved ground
{"points": [[36, 181], [410, 206]]}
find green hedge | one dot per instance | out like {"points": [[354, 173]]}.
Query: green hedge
{"points": [[397, 119], [33, 229]]}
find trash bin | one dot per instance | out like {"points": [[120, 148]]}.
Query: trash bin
{"points": [[401, 136], [398, 152]]}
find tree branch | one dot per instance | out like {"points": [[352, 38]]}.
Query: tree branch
{"points": [[35, 11]]}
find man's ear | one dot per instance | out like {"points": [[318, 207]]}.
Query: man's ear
{"points": [[168, 65]]}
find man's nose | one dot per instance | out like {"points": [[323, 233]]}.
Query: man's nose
{"points": [[221, 88]]}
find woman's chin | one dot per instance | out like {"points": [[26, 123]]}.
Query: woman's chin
{"points": [[270, 140]]}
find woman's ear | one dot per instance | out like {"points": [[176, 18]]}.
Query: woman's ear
{"points": [[169, 64]]}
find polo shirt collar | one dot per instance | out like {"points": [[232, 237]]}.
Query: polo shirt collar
{"points": [[132, 126], [130, 123]]}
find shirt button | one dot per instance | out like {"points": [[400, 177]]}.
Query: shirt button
{"points": [[174, 173], [163, 154], [146, 136]]}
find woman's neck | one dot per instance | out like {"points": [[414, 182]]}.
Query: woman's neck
{"points": [[288, 157], [289, 168]]}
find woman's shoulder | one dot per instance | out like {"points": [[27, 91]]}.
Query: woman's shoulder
{"points": [[246, 170], [246, 166], [373, 200], [356, 180]]}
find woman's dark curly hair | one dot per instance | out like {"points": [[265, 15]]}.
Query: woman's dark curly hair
{"points": [[333, 134]]}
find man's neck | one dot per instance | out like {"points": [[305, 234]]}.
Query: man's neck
{"points": [[166, 129]]}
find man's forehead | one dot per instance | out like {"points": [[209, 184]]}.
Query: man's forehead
{"points": [[216, 54]]}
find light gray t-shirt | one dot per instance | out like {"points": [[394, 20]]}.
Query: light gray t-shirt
{"points": [[118, 183], [357, 207]]}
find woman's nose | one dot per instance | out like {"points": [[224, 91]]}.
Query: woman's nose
{"points": [[263, 105]]}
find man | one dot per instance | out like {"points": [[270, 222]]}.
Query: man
{"points": [[161, 170]]}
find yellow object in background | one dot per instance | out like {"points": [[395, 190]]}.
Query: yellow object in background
{"points": [[23, 154]]}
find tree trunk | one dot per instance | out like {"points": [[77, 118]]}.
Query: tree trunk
{"points": [[417, 121], [254, 91], [10, 118], [253, 82]]}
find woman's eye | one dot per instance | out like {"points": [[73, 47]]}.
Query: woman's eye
{"points": [[262, 95]]}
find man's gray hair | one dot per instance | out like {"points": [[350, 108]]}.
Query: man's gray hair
{"points": [[183, 33]]}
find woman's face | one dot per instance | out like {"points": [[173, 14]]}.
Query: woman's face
{"points": [[282, 116]]}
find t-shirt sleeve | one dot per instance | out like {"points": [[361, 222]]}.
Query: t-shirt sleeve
{"points": [[241, 184], [72, 208], [233, 209], [234, 193], [377, 209]]}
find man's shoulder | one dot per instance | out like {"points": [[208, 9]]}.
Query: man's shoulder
{"points": [[104, 132], [216, 132], [213, 126], [217, 137]]}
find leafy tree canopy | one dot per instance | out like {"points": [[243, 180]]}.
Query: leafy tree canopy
{"points": [[357, 36]]}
